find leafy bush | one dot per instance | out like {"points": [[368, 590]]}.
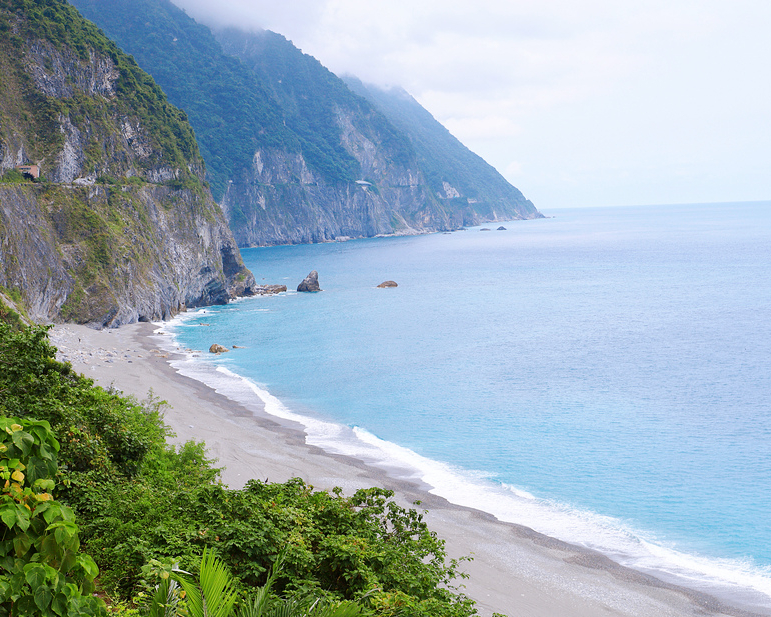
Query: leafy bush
{"points": [[42, 572], [139, 499], [13, 176], [140, 99]]}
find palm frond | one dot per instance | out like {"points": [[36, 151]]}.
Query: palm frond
{"points": [[165, 600], [214, 593]]}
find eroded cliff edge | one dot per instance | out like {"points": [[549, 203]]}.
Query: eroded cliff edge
{"points": [[121, 226]]}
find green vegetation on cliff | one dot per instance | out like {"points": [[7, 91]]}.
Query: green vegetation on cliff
{"points": [[310, 97], [233, 110], [120, 226], [285, 140], [34, 113], [141, 502]]}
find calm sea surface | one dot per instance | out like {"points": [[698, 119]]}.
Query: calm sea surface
{"points": [[603, 376]]}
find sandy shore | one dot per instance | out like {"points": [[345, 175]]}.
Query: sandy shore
{"points": [[515, 570]]}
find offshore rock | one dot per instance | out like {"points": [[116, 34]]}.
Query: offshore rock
{"points": [[310, 282], [388, 284], [501, 228], [217, 348]]}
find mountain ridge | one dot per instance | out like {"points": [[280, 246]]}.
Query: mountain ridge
{"points": [[324, 164]]}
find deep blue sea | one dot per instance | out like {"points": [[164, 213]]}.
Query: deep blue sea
{"points": [[602, 376]]}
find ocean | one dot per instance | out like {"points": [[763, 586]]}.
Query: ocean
{"points": [[602, 376]]}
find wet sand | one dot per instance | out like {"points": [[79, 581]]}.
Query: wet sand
{"points": [[514, 571]]}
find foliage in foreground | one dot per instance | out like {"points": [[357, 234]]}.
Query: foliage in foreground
{"points": [[139, 501], [42, 571]]}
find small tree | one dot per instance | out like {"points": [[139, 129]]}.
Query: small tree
{"points": [[42, 572]]}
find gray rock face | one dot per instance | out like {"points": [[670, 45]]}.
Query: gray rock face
{"points": [[310, 282], [397, 202], [170, 256], [104, 253]]}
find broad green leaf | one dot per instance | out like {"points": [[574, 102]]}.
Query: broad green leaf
{"points": [[35, 574], [25, 605], [45, 484], [68, 561], [43, 597], [50, 510], [48, 547], [59, 604], [8, 515], [5, 589], [22, 517], [24, 441], [21, 545], [88, 565]]}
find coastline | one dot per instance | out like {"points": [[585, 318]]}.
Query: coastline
{"points": [[515, 571]]}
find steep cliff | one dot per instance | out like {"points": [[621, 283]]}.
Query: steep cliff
{"points": [[386, 190], [292, 153], [451, 169], [120, 226]]}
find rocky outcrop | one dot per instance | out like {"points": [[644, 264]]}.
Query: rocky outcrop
{"points": [[110, 256], [217, 348], [385, 284], [310, 282], [122, 227]]}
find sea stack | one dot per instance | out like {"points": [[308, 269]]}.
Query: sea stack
{"points": [[310, 283]]}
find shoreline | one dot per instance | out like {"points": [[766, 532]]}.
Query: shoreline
{"points": [[515, 571]]}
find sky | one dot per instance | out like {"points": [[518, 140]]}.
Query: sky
{"points": [[577, 103]]}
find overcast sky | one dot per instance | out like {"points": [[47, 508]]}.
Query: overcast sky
{"points": [[575, 102]]}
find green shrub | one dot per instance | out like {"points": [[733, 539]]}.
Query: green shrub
{"points": [[42, 571], [13, 176], [139, 499]]}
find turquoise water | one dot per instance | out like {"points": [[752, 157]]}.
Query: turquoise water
{"points": [[601, 376]]}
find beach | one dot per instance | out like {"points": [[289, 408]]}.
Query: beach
{"points": [[514, 571]]}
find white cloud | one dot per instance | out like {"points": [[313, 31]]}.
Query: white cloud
{"points": [[574, 90]]}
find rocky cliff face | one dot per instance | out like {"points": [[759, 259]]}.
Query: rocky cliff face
{"points": [[122, 227], [279, 199]]}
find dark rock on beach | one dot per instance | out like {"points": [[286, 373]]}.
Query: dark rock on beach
{"points": [[266, 290], [501, 228], [388, 284], [310, 283]]}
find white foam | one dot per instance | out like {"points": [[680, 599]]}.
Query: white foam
{"points": [[733, 579]]}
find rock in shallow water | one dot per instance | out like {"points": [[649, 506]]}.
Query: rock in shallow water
{"points": [[388, 284], [217, 348], [310, 283]]}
